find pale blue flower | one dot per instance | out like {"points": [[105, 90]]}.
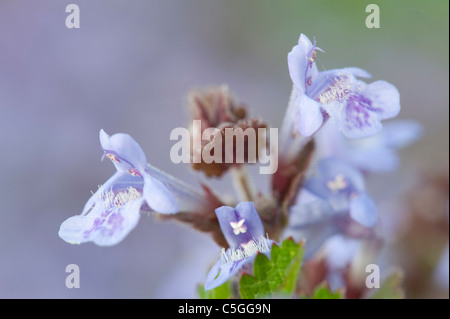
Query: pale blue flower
{"points": [[378, 153], [338, 199], [356, 107], [114, 210], [342, 186], [244, 232]]}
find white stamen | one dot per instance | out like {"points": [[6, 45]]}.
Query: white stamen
{"points": [[246, 250], [112, 157], [134, 172], [131, 194], [340, 90], [111, 200], [337, 184], [239, 227]]}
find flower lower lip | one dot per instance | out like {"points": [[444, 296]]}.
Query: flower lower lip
{"points": [[246, 250]]}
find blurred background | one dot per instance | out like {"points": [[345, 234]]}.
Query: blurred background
{"points": [[128, 69]]}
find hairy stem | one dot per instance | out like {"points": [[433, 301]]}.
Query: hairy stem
{"points": [[291, 141], [188, 197]]}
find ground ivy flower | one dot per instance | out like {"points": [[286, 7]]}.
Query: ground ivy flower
{"points": [[342, 186], [377, 153], [114, 210], [337, 197], [357, 107], [244, 232]]}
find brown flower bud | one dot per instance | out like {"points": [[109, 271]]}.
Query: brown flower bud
{"points": [[214, 106], [233, 139]]}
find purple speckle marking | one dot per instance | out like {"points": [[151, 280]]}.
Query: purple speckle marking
{"points": [[108, 224], [98, 223], [358, 110]]}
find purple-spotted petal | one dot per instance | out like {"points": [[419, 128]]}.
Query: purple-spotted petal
{"points": [[124, 151], [363, 210], [119, 224], [105, 225], [158, 196], [384, 98], [356, 117], [241, 224], [358, 108]]}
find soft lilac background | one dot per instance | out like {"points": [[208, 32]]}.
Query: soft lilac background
{"points": [[128, 69]]}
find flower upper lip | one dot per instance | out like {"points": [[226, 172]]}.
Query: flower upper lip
{"points": [[244, 245], [125, 148]]}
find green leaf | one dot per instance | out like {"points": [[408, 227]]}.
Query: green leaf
{"points": [[221, 292], [391, 287], [323, 292], [277, 275]]}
